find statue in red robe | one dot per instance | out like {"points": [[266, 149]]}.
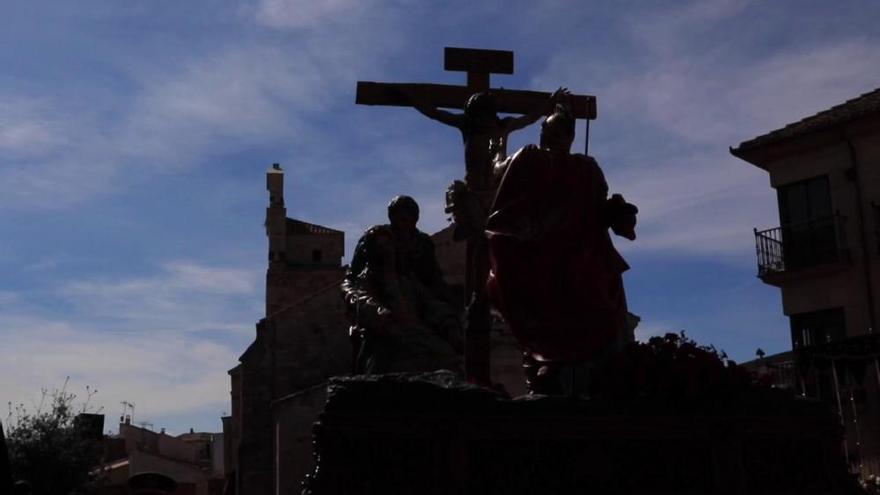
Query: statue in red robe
{"points": [[556, 278]]}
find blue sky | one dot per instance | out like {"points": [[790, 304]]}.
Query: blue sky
{"points": [[134, 137]]}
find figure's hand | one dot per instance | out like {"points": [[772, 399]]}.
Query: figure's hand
{"points": [[384, 319], [560, 95], [625, 226], [622, 217]]}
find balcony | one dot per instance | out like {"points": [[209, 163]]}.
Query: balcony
{"points": [[793, 247]]}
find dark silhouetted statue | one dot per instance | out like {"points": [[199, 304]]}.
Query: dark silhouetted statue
{"points": [[485, 135], [404, 318], [555, 275]]}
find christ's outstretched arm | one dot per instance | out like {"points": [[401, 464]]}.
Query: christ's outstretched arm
{"points": [[451, 119]]}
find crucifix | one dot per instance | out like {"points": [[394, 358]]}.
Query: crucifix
{"points": [[428, 99]]}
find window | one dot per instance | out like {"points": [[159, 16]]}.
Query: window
{"points": [[316, 255], [808, 224], [804, 201], [817, 327]]}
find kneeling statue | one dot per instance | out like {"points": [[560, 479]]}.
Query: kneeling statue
{"points": [[404, 315]]}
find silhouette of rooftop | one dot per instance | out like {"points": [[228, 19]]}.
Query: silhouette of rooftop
{"points": [[298, 227]]}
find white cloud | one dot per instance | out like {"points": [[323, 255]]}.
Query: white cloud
{"points": [[664, 31], [794, 84], [163, 373], [237, 97], [295, 14], [188, 275], [647, 329], [184, 297], [27, 127], [27, 136], [182, 113], [54, 153], [163, 341], [705, 104], [48, 263], [8, 299]]}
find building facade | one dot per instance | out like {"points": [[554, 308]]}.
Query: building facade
{"points": [[194, 460], [825, 257]]}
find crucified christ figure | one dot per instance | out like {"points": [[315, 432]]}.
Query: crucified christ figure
{"points": [[484, 133]]}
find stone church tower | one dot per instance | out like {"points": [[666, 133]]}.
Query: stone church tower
{"points": [[303, 257], [278, 386]]}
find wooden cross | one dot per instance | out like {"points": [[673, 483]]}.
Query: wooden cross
{"points": [[479, 66]]}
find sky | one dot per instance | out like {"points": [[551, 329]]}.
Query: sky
{"points": [[135, 136]]}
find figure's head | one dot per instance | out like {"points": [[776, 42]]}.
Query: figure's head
{"points": [[403, 213], [480, 108], [557, 130]]}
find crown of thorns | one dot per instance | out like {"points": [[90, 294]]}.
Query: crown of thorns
{"points": [[480, 103]]}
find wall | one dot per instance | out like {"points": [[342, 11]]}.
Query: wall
{"points": [[300, 247], [311, 342], [218, 454], [845, 285], [451, 256], [137, 438], [824, 287], [285, 287], [295, 349], [295, 416], [141, 462], [177, 448]]}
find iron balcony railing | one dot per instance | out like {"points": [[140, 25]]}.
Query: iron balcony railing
{"points": [[794, 246]]}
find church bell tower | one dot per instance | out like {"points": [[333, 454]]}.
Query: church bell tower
{"points": [[276, 228]]}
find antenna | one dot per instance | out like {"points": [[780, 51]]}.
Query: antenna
{"points": [[126, 405]]}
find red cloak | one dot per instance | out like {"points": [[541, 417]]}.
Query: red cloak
{"points": [[555, 275]]}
